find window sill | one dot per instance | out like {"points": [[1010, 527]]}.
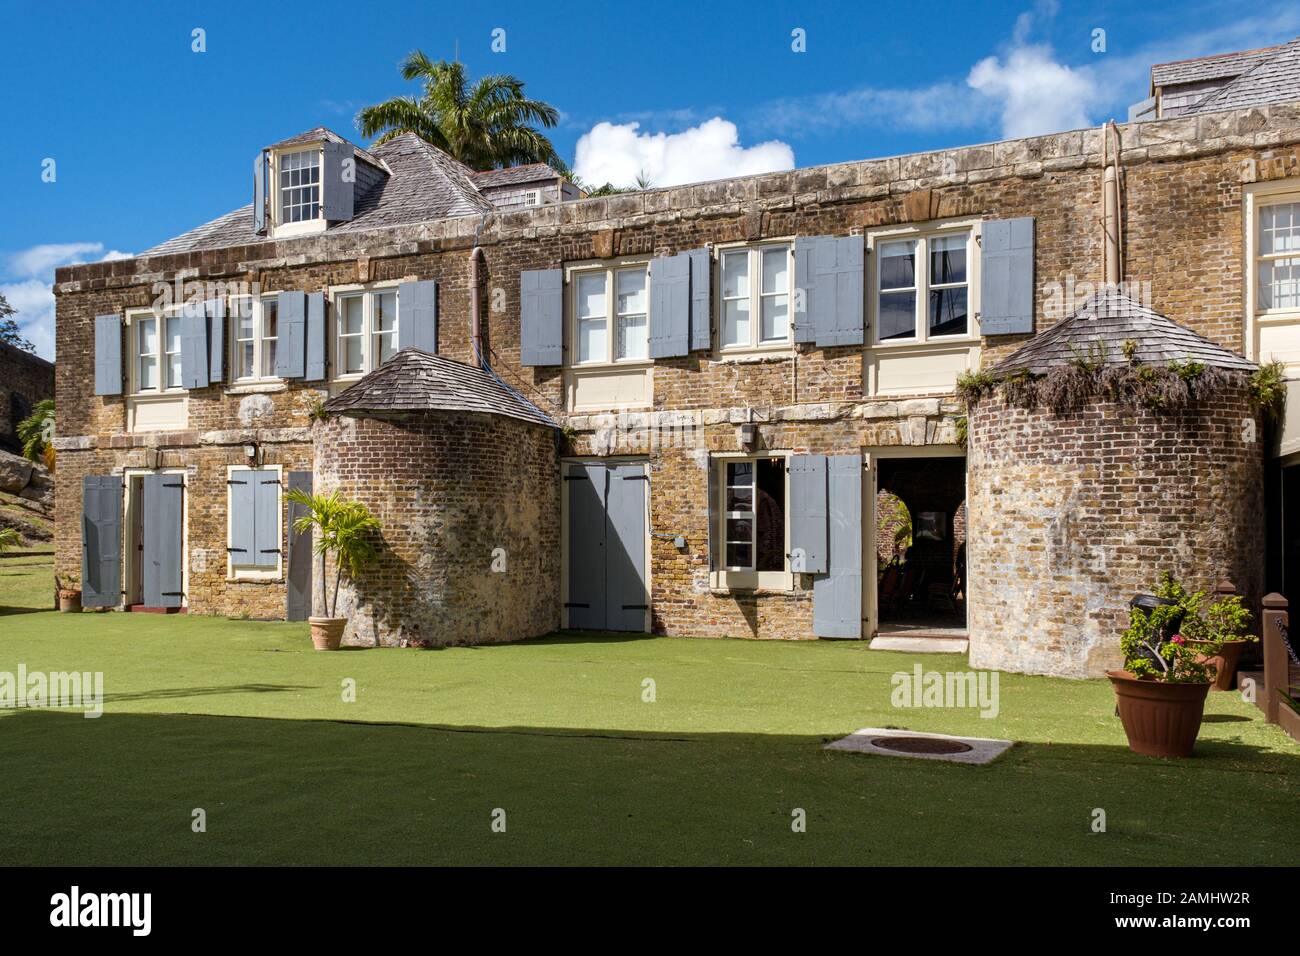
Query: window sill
{"points": [[630, 364], [938, 343], [760, 582], [254, 387], [772, 353], [255, 577], [289, 230]]}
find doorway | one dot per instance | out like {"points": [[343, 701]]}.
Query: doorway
{"points": [[919, 547], [606, 545], [154, 541]]}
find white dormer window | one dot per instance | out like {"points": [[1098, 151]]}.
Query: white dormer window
{"points": [[532, 197], [299, 186]]}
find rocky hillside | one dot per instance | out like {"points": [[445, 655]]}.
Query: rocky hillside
{"points": [[27, 501]]}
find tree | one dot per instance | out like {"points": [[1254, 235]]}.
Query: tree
{"points": [[344, 529], [36, 432], [486, 125], [10, 334]]}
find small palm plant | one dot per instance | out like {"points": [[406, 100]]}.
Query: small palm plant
{"points": [[36, 432], [343, 529]]}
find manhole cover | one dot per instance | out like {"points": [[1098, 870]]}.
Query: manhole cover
{"points": [[921, 745]]}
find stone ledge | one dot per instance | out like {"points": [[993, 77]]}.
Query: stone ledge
{"points": [[75, 442]]}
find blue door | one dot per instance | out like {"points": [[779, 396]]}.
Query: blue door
{"points": [[607, 546]]}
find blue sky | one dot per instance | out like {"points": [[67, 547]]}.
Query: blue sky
{"points": [[150, 138]]}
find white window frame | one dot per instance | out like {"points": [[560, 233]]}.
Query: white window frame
{"points": [[922, 235], [368, 331], [610, 268], [755, 266], [161, 316], [531, 198], [1257, 321], [747, 579], [259, 339], [1262, 199], [283, 229], [244, 572]]}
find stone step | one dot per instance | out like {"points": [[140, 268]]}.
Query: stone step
{"points": [[920, 645]]}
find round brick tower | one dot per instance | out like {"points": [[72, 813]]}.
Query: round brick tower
{"points": [[463, 476], [1078, 502]]}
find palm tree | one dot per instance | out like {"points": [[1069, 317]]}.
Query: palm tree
{"points": [[344, 529], [486, 125], [35, 432]]}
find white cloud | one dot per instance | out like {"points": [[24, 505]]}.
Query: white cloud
{"points": [[618, 154], [1035, 94], [27, 280]]}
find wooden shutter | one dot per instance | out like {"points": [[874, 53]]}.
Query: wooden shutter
{"points": [[101, 540], [297, 605], [261, 185], [108, 355], [314, 363], [831, 280], [290, 349], [241, 492], [164, 497], [670, 306], [701, 299], [711, 485], [541, 317], [837, 595], [194, 345], [266, 518], [585, 485], [625, 547], [1007, 276], [215, 309], [338, 181], [417, 315], [808, 514]]}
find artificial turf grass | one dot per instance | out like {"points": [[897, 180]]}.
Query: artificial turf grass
{"points": [[556, 733]]}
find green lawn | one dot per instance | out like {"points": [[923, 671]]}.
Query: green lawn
{"points": [[244, 720]]}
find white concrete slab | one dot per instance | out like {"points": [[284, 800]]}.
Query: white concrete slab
{"points": [[920, 645], [983, 749]]}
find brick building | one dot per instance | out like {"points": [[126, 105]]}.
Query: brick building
{"points": [[25, 379], [732, 365]]}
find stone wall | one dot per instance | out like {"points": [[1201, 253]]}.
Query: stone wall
{"points": [[25, 379], [449, 490], [1071, 516]]}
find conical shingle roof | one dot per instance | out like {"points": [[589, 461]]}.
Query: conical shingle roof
{"points": [[1112, 318]]}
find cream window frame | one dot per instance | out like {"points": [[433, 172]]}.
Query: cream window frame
{"points": [[922, 235], [258, 303], [160, 353], [737, 579], [306, 227], [755, 266], [610, 268], [368, 331]]}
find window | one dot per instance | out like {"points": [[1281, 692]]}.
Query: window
{"points": [[626, 312], [366, 330], [768, 298], [255, 332], [923, 287], [532, 197], [1278, 257], [156, 351], [753, 514], [299, 186]]}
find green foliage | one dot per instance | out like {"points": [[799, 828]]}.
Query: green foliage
{"points": [[1268, 390], [962, 425], [344, 529], [317, 412], [487, 124], [9, 538], [37, 430], [1129, 348], [975, 384], [1188, 371], [1147, 654], [10, 334], [1091, 361]]}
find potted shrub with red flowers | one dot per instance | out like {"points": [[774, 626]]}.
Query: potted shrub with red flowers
{"points": [[1217, 631], [1161, 691]]}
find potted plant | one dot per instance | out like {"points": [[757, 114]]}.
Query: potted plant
{"points": [[1161, 691], [69, 588], [1217, 631], [344, 530]]}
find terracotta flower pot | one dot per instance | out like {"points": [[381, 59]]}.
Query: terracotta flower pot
{"points": [[69, 601], [1161, 720], [1224, 662], [327, 632]]}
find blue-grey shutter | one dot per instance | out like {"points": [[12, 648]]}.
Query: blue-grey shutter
{"points": [[101, 541], [541, 317], [314, 367], [713, 515], [837, 595], [417, 315], [670, 306], [242, 497], [808, 551], [108, 355], [625, 547], [266, 518], [586, 600], [194, 345], [701, 299], [828, 270], [261, 183], [164, 498], [297, 604], [291, 345], [216, 313], [1007, 276], [338, 181]]}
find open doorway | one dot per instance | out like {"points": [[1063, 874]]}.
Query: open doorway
{"points": [[920, 547]]}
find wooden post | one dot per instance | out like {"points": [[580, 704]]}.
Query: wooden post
{"points": [[1276, 670]]}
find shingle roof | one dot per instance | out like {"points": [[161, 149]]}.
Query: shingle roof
{"points": [[414, 380], [1110, 317], [1274, 79], [514, 175], [424, 184], [1215, 67]]}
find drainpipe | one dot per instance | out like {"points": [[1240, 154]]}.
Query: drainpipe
{"points": [[475, 322], [1112, 226]]}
